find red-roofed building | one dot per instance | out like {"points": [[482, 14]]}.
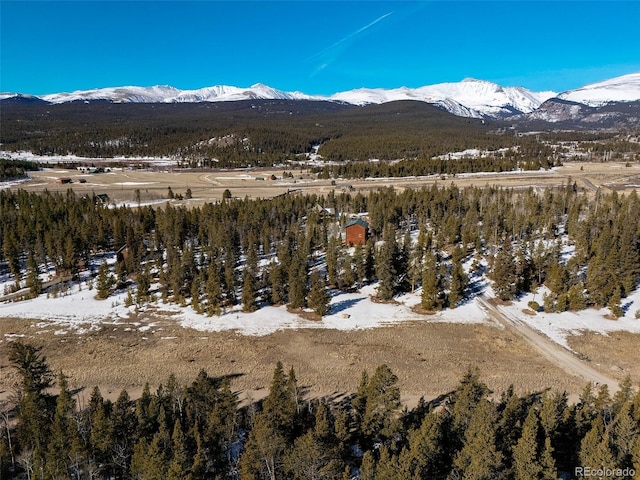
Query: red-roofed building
{"points": [[356, 232]]}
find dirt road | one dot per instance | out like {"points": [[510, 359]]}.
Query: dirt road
{"points": [[560, 356]]}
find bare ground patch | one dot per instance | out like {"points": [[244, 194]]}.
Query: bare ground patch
{"points": [[428, 358], [617, 353]]}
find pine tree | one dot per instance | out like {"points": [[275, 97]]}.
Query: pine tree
{"points": [[249, 290], [298, 279], [547, 462], [312, 458], [479, 458], [124, 421], [595, 449], [387, 467], [386, 264], [358, 261], [378, 402], [470, 393], [369, 260], [318, 295], [576, 298], [623, 433], [179, 466], [426, 454], [526, 452], [331, 260], [615, 303], [347, 277], [199, 465], [11, 253], [504, 273], [213, 290], [432, 293], [105, 281], [101, 436], [368, 466], [264, 451], [229, 278], [636, 455], [458, 278], [33, 281], [61, 434], [279, 288], [34, 411]]}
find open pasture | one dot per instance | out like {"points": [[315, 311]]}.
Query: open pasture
{"points": [[151, 185]]}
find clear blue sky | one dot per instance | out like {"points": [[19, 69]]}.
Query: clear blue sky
{"points": [[314, 47]]}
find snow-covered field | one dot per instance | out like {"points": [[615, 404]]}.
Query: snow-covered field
{"points": [[32, 157], [77, 310], [560, 326]]}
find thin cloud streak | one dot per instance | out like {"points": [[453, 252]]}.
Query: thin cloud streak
{"points": [[332, 52]]}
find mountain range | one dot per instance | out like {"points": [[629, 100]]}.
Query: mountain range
{"points": [[468, 98]]}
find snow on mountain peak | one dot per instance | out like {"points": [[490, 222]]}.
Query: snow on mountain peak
{"points": [[470, 97], [619, 89]]}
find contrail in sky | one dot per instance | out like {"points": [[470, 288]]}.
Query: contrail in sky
{"points": [[351, 35], [332, 52]]}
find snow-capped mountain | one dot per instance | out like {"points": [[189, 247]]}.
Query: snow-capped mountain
{"points": [[117, 95], [469, 98], [620, 89], [168, 94], [613, 103]]}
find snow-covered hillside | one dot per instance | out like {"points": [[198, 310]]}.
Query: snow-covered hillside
{"points": [[168, 94], [468, 98], [620, 89]]}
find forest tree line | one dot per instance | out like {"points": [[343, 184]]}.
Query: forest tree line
{"points": [[198, 431], [256, 133], [15, 169], [209, 256]]}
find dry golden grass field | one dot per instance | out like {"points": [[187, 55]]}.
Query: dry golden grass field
{"points": [[208, 186], [429, 358]]}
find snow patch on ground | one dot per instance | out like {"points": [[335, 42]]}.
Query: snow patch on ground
{"points": [[76, 309], [560, 326], [13, 183], [32, 157]]}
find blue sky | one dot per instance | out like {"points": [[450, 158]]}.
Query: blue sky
{"points": [[315, 47]]}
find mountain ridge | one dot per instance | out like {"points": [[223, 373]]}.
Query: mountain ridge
{"points": [[468, 98]]}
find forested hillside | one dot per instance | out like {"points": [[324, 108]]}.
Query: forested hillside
{"points": [[234, 134], [15, 169], [198, 431]]}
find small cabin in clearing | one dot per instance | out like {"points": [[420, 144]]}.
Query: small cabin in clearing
{"points": [[356, 232], [102, 198]]}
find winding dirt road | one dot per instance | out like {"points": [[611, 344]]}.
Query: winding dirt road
{"points": [[560, 356]]}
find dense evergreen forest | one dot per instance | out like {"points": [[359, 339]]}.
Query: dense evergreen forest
{"points": [[198, 431], [437, 239], [15, 169], [258, 133]]}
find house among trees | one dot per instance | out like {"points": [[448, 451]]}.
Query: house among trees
{"points": [[356, 232], [123, 254], [102, 198]]}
